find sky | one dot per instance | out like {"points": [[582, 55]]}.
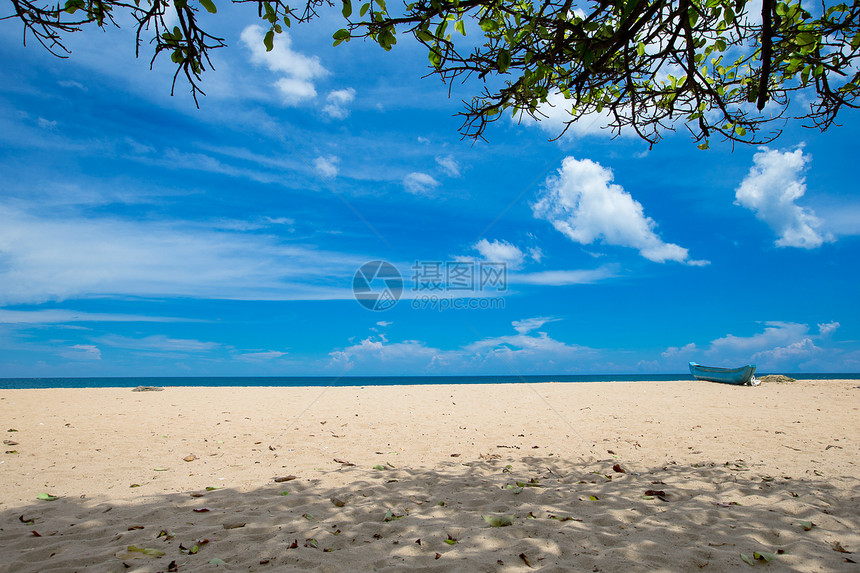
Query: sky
{"points": [[142, 236]]}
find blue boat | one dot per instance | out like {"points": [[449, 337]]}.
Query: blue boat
{"points": [[737, 376]]}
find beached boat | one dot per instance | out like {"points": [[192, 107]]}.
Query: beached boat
{"points": [[739, 376]]}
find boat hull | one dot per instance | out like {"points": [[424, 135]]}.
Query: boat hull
{"points": [[737, 376]]}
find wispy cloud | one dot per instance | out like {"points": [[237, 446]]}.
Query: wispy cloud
{"points": [[81, 352], [158, 343], [60, 316], [299, 71], [770, 189], [449, 165], [418, 183], [565, 277], [582, 203], [44, 258]]}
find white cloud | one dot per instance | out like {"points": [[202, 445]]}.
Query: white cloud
{"points": [[770, 189], [779, 346], [557, 113], [564, 278], [298, 70], [527, 325], [60, 316], [82, 352], [500, 252], [72, 84], [294, 91], [420, 184], [584, 205], [327, 166], [449, 165], [44, 258], [158, 342], [508, 354], [261, 356], [336, 102], [676, 352], [828, 328], [384, 323], [47, 124]]}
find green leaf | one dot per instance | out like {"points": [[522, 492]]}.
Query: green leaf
{"points": [[269, 40], [47, 497], [504, 61], [132, 552], [364, 9], [347, 8], [499, 520], [766, 557], [209, 5], [216, 561], [460, 26], [704, 146], [379, 467], [747, 559], [640, 48], [450, 540], [488, 25], [435, 58], [806, 525]]}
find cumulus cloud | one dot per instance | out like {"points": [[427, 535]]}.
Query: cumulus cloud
{"points": [[419, 183], [828, 328], [770, 189], [500, 354], [557, 113], [676, 352], [299, 70], [449, 165], [786, 346], [327, 166], [336, 102], [583, 204]]}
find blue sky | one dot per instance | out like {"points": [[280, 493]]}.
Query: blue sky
{"points": [[140, 236]]}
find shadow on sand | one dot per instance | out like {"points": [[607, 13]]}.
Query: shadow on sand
{"points": [[565, 517]]}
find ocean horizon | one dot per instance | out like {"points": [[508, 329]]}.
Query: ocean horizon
{"points": [[298, 381]]}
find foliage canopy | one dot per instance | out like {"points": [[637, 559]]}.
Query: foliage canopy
{"points": [[727, 67]]}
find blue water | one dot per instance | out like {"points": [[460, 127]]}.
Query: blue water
{"points": [[291, 381]]}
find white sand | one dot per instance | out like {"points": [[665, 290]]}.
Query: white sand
{"points": [[741, 469]]}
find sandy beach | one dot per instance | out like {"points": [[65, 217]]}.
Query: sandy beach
{"points": [[621, 476]]}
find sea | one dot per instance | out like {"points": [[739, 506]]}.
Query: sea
{"points": [[294, 381]]}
